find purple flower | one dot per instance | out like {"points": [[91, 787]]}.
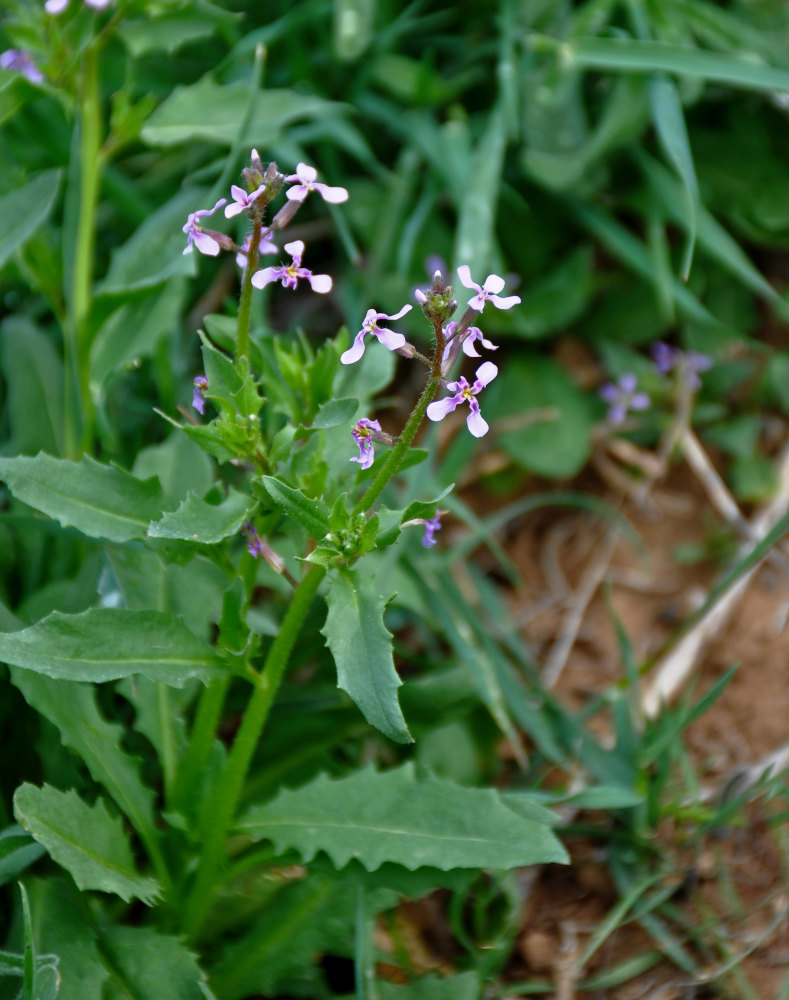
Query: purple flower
{"points": [[488, 292], [389, 338], [195, 237], [289, 276], [254, 541], [198, 398], [22, 61], [622, 397], [265, 246], [463, 392], [241, 200], [687, 363], [431, 527], [58, 6], [364, 434], [306, 177]]}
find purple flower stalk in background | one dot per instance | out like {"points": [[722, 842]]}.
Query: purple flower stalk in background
{"points": [[622, 397], [363, 434], [289, 276], [266, 246], [195, 237], [487, 292], [18, 59], [431, 527], [254, 541], [389, 338], [241, 200], [463, 392], [198, 398], [687, 363], [58, 6], [305, 177]]}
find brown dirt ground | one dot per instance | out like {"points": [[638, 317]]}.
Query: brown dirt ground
{"points": [[737, 879]]}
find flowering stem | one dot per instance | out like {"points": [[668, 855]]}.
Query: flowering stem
{"points": [[245, 306], [221, 816], [76, 339], [398, 453], [201, 742]]}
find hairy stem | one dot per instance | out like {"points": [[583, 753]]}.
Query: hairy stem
{"points": [[398, 453]]}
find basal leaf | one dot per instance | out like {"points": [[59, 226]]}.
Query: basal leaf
{"points": [[334, 412], [204, 523], [310, 514], [102, 501], [362, 649], [72, 708], [86, 840], [104, 644], [142, 960], [35, 393], [391, 816], [25, 209]]}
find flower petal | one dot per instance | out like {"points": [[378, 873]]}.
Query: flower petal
{"points": [[297, 193], [397, 315], [487, 372], [206, 244], [477, 424], [390, 338], [321, 283], [355, 351], [265, 276], [505, 303], [233, 209], [295, 249], [493, 283], [441, 407], [464, 273], [334, 195]]}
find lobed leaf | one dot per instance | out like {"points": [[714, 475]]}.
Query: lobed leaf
{"points": [[362, 649], [391, 816], [102, 501], [86, 840], [195, 520], [310, 514]]}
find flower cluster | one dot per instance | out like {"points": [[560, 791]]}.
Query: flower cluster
{"points": [[262, 186], [622, 397], [687, 364], [22, 62]]}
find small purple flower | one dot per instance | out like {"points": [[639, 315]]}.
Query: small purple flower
{"points": [[195, 237], [431, 527], [687, 363], [22, 61], [241, 200], [266, 246], [198, 398], [56, 7], [254, 541], [463, 392], [306, 177], [488, 292], [289, 276], [389, 338], [363, 434], [622, 397]]}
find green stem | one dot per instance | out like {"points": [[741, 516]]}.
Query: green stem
{"points": [[77, 339], [245, 306], [201, 742], [398, 453], [200, 898]]}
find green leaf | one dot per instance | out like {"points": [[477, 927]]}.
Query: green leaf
{"points": [[556, 445], [168, 34], [204, 523], [474, 238], [142, 960], [310, 514], [629, 55], [25, 209], [216, 112], [72, 708], [334, 412], [465, 986], [102, 501], [86, 840], [17, 851], [362, 649], [425, 508], [555, 301], [673, 135], [104, 644], [35, 393], [154, 253], [390, 816]]}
